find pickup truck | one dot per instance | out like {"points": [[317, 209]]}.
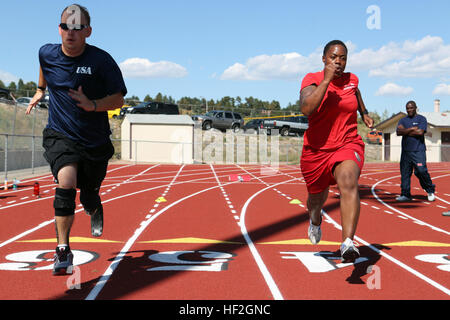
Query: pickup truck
{"points": [[286, 125], [375, 137], [150, 108]]}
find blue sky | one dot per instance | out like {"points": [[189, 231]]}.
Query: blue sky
{"points": [[258, 48]]}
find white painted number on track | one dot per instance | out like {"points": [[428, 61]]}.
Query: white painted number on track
{"points": [[319, 261], [38, 260], [443, 260], [191, 261]]}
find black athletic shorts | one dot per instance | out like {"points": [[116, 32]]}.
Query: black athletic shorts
{"points": [[92, 162]]}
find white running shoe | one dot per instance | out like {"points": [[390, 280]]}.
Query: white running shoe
{"points": [[431, 197], [349, 253], [314, 233]]}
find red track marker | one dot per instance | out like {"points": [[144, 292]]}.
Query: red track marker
{"points": [[238, 177]]}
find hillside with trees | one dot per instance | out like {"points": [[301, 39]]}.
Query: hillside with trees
{"points": [[249, 107]]}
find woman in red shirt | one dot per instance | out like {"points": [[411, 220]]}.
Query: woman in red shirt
{"points": [[333, 152]]}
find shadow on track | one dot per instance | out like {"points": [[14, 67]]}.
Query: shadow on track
{"points": [[132, 273]]}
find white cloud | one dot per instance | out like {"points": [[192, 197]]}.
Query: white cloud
{"points": [[443, 89], [424, 58], [367, 59], [392, 89], [144, 68], [7, 77], [288, 66]]}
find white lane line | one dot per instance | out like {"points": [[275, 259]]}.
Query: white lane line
{"points": [[262, 267], [402, 213], [127, 181], [23, 234], [45, 223], [107, 274], [53, 187], [394, 260]]}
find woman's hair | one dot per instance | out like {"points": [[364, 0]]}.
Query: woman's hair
{"points": [[333, 43]]}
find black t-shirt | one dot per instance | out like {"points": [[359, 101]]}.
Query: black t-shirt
{"points": [[98, 75]]}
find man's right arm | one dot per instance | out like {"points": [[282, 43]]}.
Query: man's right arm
{"points": [[40, 92]]}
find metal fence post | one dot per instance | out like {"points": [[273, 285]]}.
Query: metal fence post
{"points": [[32, 153], [6, 157]]}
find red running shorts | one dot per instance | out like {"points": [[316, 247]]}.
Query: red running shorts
{"points": [[317, 166]]}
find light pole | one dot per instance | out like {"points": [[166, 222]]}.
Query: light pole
{"points": [[206, 102]]}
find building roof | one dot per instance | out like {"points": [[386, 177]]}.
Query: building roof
{"points": [[436, 119], [159, 119]]}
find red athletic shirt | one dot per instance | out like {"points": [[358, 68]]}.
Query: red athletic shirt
{"points": [[335, 121]]}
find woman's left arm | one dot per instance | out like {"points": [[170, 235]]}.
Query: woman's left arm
{"points": [[362, 110]]}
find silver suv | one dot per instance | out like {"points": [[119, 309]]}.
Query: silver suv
{"points": [[220, 119]]}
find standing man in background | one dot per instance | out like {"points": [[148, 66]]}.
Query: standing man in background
{"points": [[83, 82], [412, 128]]}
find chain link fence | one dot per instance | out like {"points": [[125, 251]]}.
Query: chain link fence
{"points": [[21, 145]]}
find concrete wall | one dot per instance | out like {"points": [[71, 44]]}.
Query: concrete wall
{"points": [[157, 142]]}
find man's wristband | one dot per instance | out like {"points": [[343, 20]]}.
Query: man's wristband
{"points": [[365, 111], [95, 105], [42, 89]]}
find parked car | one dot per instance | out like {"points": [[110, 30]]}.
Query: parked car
{"points": [[151, 108], [220, 119], [289, 124], [44, 101], [254, 125], [25, 101], [5, 94], [116, 112], [375, 137]]}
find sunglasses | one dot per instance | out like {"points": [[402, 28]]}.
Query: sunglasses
{"points": [[76, 27]]}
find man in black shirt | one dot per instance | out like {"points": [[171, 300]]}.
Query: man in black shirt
{"points": [[83, 83]]}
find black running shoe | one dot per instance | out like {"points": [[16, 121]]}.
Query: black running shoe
{"points": [[63, 261], [96, 221]]}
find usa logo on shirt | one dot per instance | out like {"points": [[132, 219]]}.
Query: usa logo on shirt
{"points": [[84, 70]]}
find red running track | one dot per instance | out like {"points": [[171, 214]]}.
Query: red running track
{"points": [[188, 233]]}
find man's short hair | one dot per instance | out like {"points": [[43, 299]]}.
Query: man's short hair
{"points": [[82, 9], [411, 102], [333, 43]]}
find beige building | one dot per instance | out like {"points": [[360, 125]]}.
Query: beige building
{"points": [[437, 139], [157, 138]]}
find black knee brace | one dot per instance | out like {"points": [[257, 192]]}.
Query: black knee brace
{"points": [[64, 202], [90, 198]]}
